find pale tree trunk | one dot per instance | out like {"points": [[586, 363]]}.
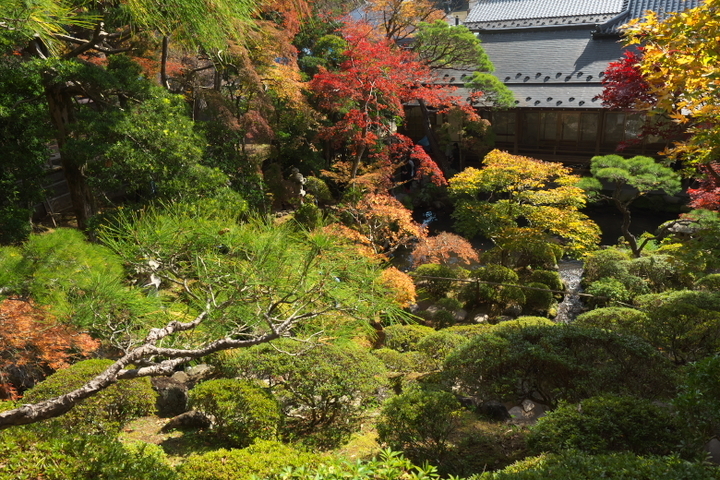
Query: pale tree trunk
{"points": [[163, 63]]}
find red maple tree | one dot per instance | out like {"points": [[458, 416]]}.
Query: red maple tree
{"points": [[366, 96], [34, 344]]}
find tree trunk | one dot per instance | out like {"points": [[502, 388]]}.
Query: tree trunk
{"points": [[437, 153], [59, 99], [163, 63], [625, 227]]}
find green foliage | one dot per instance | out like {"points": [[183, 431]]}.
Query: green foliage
{"points": [[436, 287], [242, 410], [497, 296], [698, 404], [523, 322], [420, 423], [607, 424], [30, 453], [323, 390], [523, 205], [660, 272], [709, 282], [607, 291], [402, 362], [623, 320], [23, 140], [263, 459], [551, 278], [404, 338], [104, 412], [607, 262], [621, 466], [247, 268], [557, 363], [318, 189], [684, 324], [642, 173], [389, 465], [438, 345], [308, 215], [82, 282], [539, 300]]}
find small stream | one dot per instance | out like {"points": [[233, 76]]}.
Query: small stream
{"points": [[571, 272]]}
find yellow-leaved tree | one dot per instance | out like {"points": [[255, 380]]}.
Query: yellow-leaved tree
{"points": [[529, 208]]}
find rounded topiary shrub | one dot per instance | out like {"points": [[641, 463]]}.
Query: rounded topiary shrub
{"points": [[242, 410], [618, 319], [104, 412], [498, 296], [607, 291], [710, 282], [439, 344], [404, 338], [263, 459], [420, 423], [607, 424], [435, 287], [538, 300], [608, 262], [550, 278]]}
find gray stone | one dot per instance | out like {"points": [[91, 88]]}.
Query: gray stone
{"points": [[481, 318], [713, 448], [180, 377], [172, 396], [460, 315], [198, 373], [526, 413], [432, 310], [192, 420]]}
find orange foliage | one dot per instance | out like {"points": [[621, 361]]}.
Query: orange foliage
{"points": [[443, 248], [33, 341], [401, 284], [382, 222]]}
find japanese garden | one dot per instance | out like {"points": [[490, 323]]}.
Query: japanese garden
{"points": [[352, 239]]}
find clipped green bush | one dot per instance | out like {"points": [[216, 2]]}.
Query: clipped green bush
{"points": [[551, 278], [660, 272], [308, 215], [470, 330], [242, 410], [607, 424], [709, 282], [608, 262], [624, 320], [550, 364], [263, 459], [319, 189], [607, 291], [538, 300], [619, 466], [404, 338], [498, 296], [436, 287], [523, 322], [420, 423], [698, 405], [31, 453], [684, 324], [106, 411], [323, 390], [438, 345]]}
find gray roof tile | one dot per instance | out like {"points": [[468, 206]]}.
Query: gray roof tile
{"points": [[523, 13]]}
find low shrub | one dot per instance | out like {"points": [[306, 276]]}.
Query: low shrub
{"points": [[404, 338], [106, 411], [242, 410], [607, 424], [436, 287]]}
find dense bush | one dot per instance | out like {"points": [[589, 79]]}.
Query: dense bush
{"points": [[61, 455], [104, 412], [607, 424], [551, 278], [438, 345], [263, 459], [404, 338], [698, 404], [557, 363], [608, 291], [242, 410], [684, 324], [522, 322], [618, 319], [659, 271], [497, 296], [436, 287], [323, 389], [538, 300], [709, 282], [622, 466], [609, 262], [420, 422]]}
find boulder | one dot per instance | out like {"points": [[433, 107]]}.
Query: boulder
{"points": [[192, 420], [172, 396]]}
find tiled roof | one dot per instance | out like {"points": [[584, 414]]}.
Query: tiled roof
{"points": [[638, 8], [494, 14]]}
